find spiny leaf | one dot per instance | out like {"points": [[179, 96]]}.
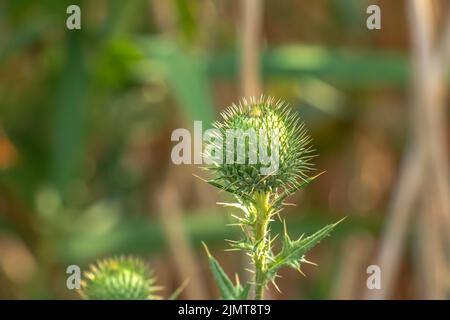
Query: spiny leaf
{"points": [[292, 253], [309, 242], [227, 289]]}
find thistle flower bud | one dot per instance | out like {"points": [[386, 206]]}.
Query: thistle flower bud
{"points": [[281, 149], [123, 278]]}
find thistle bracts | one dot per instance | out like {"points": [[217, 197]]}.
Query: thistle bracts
{"points": [[122, 278], [281, 137], [278, 136]]}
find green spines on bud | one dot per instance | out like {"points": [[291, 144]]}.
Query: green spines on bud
{"points": [[122, 278], [280, 137]]}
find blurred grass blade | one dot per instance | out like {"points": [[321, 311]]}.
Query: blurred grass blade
{"points": [[187, 76], [70, 114]]}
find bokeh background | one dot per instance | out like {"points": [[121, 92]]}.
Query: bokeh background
{"points": [[86, 118]]}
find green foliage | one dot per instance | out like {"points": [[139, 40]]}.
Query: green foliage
{"points": [[123, 278], [186, 75]]}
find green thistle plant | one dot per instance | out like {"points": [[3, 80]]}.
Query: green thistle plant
{"points": [[122, 278], [260, 196]]}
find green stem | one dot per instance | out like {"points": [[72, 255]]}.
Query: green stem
{"points": [[261, 238]]}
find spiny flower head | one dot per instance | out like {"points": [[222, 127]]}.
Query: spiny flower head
{"points": [[119, 278], [282, 148]]}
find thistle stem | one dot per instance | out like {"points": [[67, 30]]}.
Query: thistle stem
{"points": [[261, 241]]}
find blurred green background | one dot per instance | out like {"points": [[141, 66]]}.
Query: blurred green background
{"points": [[86, 117]]}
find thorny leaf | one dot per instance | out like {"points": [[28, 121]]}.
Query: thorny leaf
{"points": [[293, 253], [228, 290]]}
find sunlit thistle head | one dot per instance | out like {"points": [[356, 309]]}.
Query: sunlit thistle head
{"points": [[282, 148], [122, 278]]}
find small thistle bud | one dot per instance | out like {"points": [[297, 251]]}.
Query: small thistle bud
{"points": [[123, 278], [277, 157]]}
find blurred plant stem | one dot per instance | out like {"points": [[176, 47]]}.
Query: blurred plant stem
{"points": [[252, 11], [262, 206], [424, 173], [168, 16], [171, 216]]}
